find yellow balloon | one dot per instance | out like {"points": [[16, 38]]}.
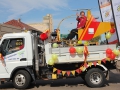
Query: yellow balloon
{"points": [[55, 45], [108, 35], [79, 42], [116, 52], [56, 61], [51, 62], [54, 57], [86, 43], [79, 50]]}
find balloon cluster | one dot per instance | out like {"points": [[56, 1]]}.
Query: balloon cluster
{"points": [[109, 34], [53, 60], [78, 50], [112, 54], [86, 43]]}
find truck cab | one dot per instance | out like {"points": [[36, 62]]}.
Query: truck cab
{"points": [[14, 56]]}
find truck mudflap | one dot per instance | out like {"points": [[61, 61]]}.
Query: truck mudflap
{"points": [[118, 65], [2, 81]]}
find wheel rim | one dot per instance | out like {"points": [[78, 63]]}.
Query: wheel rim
{"points": [[95, 78], [20, 80]]}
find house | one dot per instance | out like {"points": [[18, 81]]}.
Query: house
{"points": [[21, 25], [4, 28]]}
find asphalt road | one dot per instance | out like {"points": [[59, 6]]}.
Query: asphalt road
{"points": [[70, 84]]}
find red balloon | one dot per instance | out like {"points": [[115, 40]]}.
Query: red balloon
{"points": [[112, 31], [43, 36], [108, 55], [72, 50], [112, 56], [108, 51]]}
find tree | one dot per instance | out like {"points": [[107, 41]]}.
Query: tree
{"points": [[96, 39]]}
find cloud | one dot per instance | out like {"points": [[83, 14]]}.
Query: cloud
{"points": [[19, 7]]}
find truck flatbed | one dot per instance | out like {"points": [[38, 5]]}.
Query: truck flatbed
{"points": [[96, 52]]}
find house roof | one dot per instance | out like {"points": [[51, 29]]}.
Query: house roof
{"points": [[18, 23]]}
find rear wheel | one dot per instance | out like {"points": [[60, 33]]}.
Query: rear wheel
{"points": [[21, 79], [95, 78]]}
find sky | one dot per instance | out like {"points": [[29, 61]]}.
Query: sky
{"points": [[32, 11]]}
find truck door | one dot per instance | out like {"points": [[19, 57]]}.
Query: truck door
{"points": [[3, 69], [15, 54]]}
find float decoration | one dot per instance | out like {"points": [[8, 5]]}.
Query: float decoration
{"points": [[2, 60], [112, 31], [43, 36], [53, 60], [79, 50], [55, 45], [108, 35], [79, 42], [86, 65], [72, 50], [86, 53], [63, 73]]}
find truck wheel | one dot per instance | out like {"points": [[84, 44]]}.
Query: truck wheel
{"points": [[21, 79], [95, 78]]}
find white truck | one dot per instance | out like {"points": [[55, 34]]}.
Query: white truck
{"points": [[30, 62]]}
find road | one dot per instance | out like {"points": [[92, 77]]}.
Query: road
{"points": [[70, 84]]}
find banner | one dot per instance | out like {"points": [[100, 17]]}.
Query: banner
{"points": [[107, 16], [116, 12]]}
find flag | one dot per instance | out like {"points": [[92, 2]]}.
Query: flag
{"points": [[104, 61], [99, 62], [90, 64], [73, 72], [95, 63], [58, 71], [68, 73], [54, 69], [63, 73], [78, 71]]}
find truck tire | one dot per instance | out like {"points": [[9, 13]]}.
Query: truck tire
{"points": [[21, 80], [95, 78]]}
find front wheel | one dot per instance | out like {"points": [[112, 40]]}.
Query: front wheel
{"points": [[95, 78], [21, 79]]}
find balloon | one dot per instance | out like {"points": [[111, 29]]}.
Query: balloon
{"points": [[43, 36], [112, 56], [72, 50], [116, 52], [55, 45], [51, 62], [56, 61], [54, 57], [108, 51], [108, 35], [86, 43], [108, 55], [112, 31], [79, 42], [79, 50]]}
